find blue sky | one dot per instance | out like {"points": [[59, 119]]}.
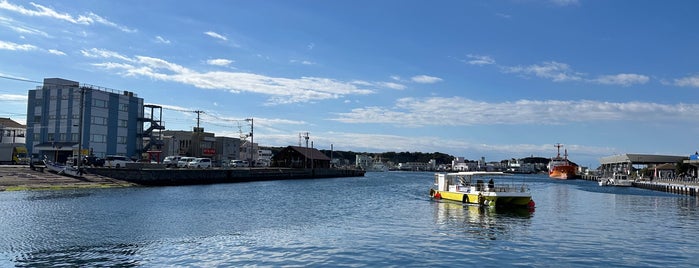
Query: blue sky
{"points": [[494, 79]]}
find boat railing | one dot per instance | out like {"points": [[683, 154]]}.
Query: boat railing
{"points": [[508, 188]]}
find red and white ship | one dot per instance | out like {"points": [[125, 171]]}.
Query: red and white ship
{"points": [[560, 168]]}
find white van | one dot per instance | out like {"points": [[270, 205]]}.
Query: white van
{"points": [[184, 161], [200, 163], [116, 161]]}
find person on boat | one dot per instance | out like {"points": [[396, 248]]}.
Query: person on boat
{"points": [[491, 184]]}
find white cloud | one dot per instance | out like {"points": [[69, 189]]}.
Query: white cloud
{"points": [[391, 85], [216, 35], [556, 71], [105, 54], [689, 81], [304, 62], [219, 62], [479, 60], [622, 79], [43, 11], [14, 46], [57, 52], [13, 98], [466, 112], [162, 40], [281, 90], [565, 2], [424, 79]]}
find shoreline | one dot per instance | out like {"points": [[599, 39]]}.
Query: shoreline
{"points": [[23, 178]]}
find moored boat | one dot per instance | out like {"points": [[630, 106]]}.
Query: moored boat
{"points": [[620, 180], [461, 187], [62, 169], [560, 168]]}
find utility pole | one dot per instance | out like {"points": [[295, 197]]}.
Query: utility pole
{"points": [[80, 128], [252, 139]]}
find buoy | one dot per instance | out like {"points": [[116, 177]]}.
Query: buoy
{"points": [[437, 195], [531, 204]]}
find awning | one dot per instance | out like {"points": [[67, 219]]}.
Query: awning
{"points": [[56, 146]]}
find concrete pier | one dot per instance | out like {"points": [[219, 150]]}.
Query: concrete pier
{"points": [[669, 187]]}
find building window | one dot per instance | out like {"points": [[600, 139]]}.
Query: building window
{"points": [[37, 119], [74, 137], [121, 139], [124, 107], [99, 103], [123, 123], [51, 137], [62, 137], [52, 117], [98, 120], [98, 138], [37, 136]]}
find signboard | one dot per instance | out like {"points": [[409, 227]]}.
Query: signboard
{"points": [[208, 151]]}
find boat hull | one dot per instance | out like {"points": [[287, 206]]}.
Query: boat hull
{"points": [[486, 198], [562, 172]]}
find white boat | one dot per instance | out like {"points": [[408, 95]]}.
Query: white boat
{"points": [[62, 169], [616, 180], [461, 187]]}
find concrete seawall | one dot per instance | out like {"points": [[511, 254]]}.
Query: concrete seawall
{"points": [[160, 176]]}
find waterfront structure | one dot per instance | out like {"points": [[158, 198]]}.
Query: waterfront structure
{"points": [[11, 131], [630, 164], [300, 157], [64, 115]]}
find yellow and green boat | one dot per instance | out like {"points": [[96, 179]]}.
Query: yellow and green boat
{"points": [[471, 188]]}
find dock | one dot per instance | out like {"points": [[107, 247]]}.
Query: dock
{"points": [[675, 186]]}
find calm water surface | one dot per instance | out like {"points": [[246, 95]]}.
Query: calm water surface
{"points": [[383, 219]]}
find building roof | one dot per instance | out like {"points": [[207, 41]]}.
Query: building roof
{"points": [[310, 153], [9, 123], [642, 159]]}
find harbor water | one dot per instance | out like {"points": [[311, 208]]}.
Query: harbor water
{"points": [[382, 219]]}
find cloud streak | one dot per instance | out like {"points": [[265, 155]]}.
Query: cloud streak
{"points": [[216, 35], [42, 11], [281, 90], [457, 111]]}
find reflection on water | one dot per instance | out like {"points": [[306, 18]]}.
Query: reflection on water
{"points": [[120, 255], [480, 222]]}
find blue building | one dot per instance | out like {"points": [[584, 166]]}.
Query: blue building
{"points": [[109, 121]]}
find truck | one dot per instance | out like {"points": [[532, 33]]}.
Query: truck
{"points": [[13, 153]]}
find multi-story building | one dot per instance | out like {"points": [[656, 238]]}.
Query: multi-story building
{"points": [[63, 113], [227, 149], [196, 143]]}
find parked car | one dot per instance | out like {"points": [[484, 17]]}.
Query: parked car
{"points": [[91, 160], [182, 163], [116, 161], [200, 163], [239, 163], [171, 161]]}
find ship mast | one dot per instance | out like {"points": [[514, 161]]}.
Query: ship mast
{"points": [[558, 145]]}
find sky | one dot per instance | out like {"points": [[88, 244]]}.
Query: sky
{"points": [[495, 79]]}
